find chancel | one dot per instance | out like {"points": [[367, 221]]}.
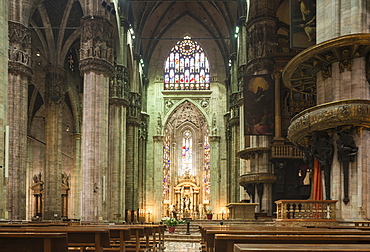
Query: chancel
{"points": [[254, 114]]}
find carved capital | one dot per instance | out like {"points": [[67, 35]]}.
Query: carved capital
{"points": [[55, 84], [19, 51], [96, 45], [96, 66]]}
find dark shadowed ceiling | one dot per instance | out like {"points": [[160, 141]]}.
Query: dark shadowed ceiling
{"points": [[152, 19]]}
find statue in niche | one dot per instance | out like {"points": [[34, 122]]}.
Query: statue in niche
{"points": [[65, 179], [323, 151], [347, 150], [37, 178], [159, 124], [214, 126]]}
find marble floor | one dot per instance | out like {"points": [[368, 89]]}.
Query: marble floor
{"points": [[182, 247]]}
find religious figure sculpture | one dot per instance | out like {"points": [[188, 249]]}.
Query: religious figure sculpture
{"points": [[323, 151], [347, 151]]}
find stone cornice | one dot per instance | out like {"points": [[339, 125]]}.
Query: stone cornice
{"points": [[19, 68], [329, 116], [97, 66], [251, 178], [300, 73], [249, 153]]}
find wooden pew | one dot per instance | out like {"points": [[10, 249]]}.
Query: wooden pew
{"points": [[33, 242], [301, 247], [225, 242], [209, 233], [79, 237]]}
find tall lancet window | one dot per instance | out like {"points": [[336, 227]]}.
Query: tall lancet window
{"points": [[206, 167], [187, 154], [186, 67], [166, 167]]}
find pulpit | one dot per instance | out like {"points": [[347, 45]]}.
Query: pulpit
{"points": [[242, 211]]}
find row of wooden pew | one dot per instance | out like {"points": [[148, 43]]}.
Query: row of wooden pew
{"points": [[237, 238], [98, 238]]}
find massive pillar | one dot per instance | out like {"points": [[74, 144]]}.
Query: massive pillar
{"points": [[132, 160], [96, 65], [261, 28], [3, 101], [117, 139], [19, 75], [52, 172]]}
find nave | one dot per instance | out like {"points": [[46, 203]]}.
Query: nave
{"points": [[181, 246]]}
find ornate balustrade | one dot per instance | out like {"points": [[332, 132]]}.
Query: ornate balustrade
{"points": [[306, 211], [285, 151]]}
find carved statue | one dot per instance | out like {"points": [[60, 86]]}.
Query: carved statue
{"points": [[347, 151], [159, 124], [65, 179], [323, 151]]}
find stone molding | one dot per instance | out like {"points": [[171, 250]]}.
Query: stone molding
{"points": [[251, 178], [329, 116], [250, 153], [300, 73], [55, 87], [96, 51]]}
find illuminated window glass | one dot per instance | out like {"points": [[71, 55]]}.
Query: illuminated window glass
{"points": [[187, 154], [166, 168], [186, 67], [207, 166]]}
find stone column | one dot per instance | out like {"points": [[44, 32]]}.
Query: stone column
{"points": [[157, 179], [132, 145], [76, 180], [143, 138], [117, 148], [54, 94], [96, 67], [3, 100], [19, 73], [218, 197], [261, 30], [234, 169]]}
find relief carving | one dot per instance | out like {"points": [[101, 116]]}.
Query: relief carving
{"points": [[134, 109], [19, 48], [96, 43], [119, 84], [54, 84], [329, 116]]}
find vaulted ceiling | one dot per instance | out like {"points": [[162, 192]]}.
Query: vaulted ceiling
{"points": [[152, 19]]}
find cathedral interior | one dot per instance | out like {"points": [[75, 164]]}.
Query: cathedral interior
{"points": [[132, 111]]}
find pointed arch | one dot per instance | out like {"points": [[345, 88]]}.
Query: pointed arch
{"points": [[186, 159], [187, 67]]}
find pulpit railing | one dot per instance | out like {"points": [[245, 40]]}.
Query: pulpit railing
{"points": [[312, 210]]}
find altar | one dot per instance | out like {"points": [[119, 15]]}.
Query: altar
{"points": [[242, 211]]}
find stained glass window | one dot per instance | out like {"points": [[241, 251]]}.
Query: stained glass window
{"points": [[187, 154], [207, 166], [166, 167], [186, 67]]}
